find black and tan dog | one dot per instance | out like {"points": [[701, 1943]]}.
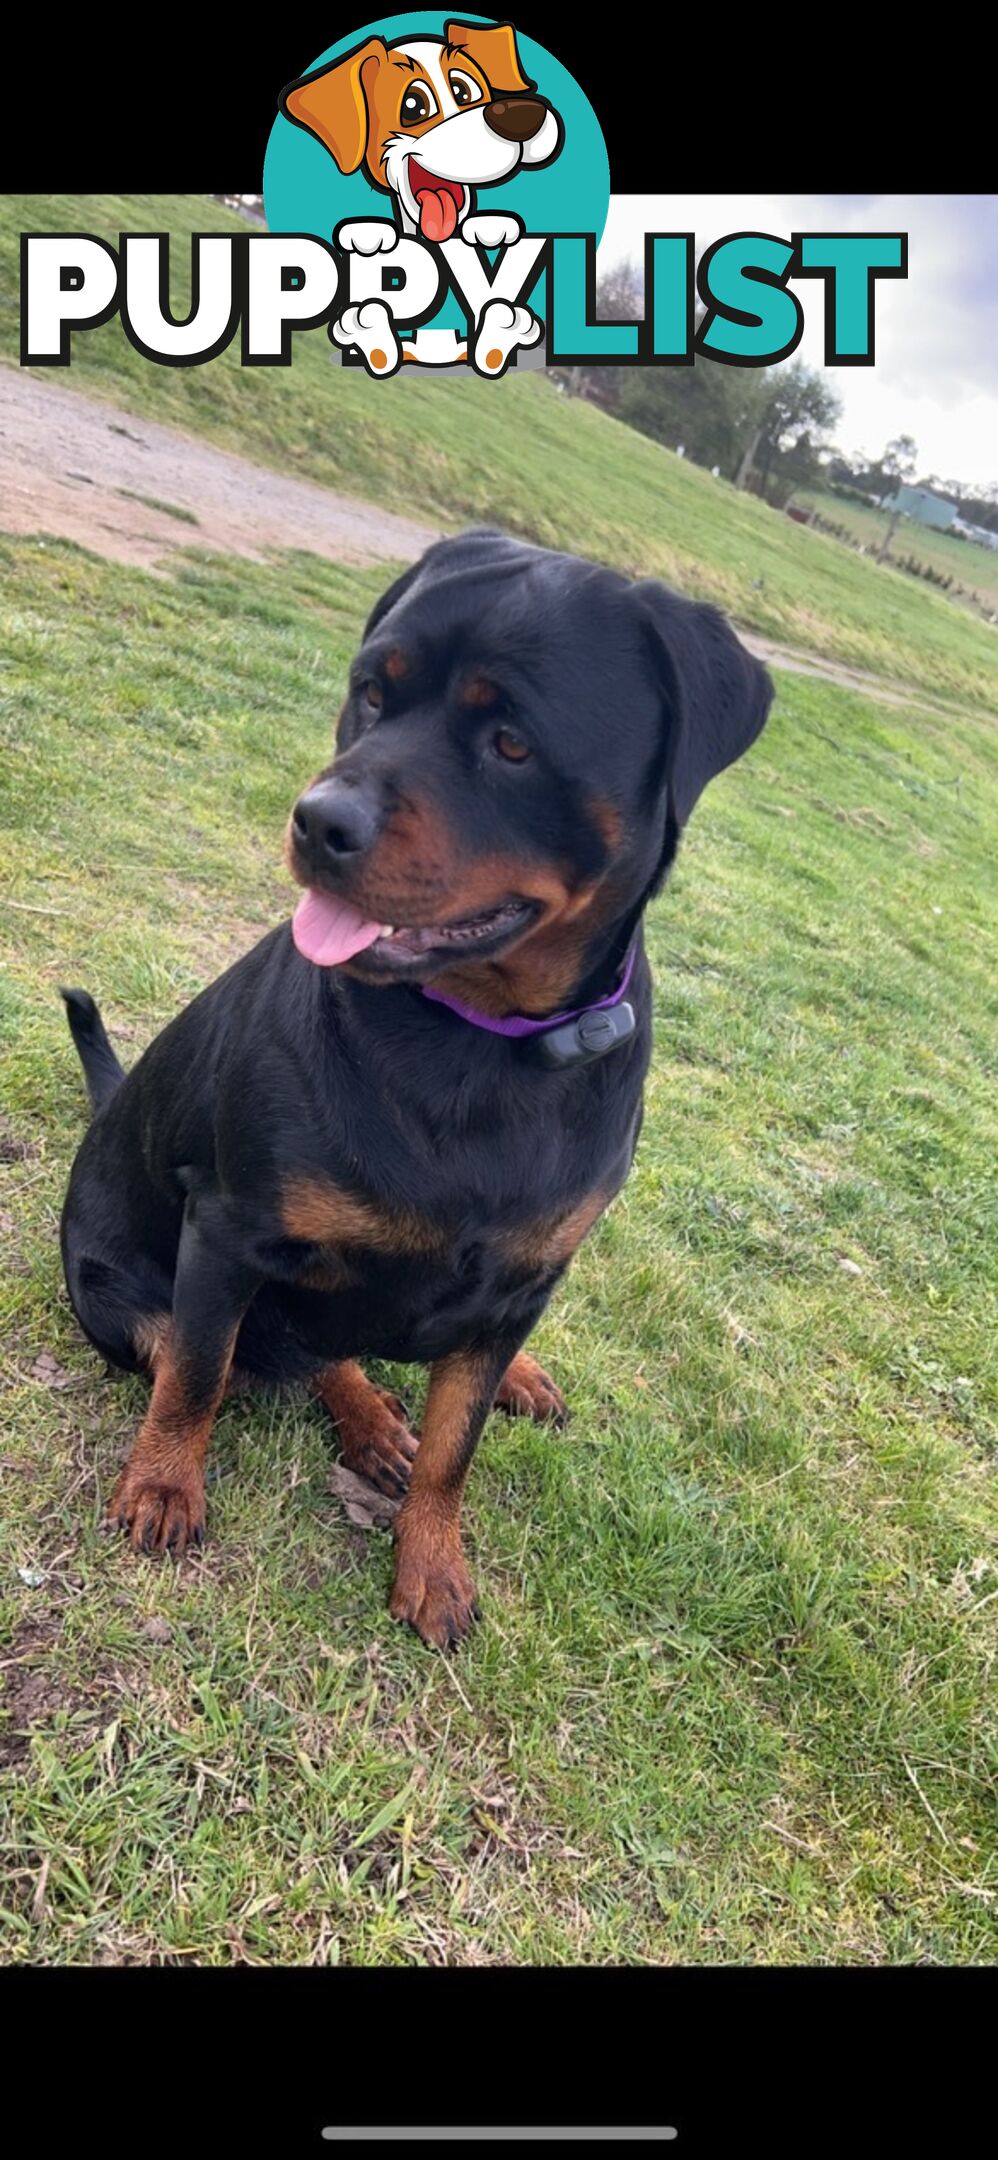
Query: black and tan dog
{"points": [[321, 1159]]}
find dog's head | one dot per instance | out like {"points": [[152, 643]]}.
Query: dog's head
{"points": [[429, 119], [523, 740]]}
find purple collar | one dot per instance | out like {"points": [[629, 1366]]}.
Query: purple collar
{"points": [[518, 1024]]}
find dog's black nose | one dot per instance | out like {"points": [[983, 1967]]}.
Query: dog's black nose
{"points": [[333, 819], [515, 118]]}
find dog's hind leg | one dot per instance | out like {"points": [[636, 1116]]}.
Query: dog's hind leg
{"points": [[159, 1497], [375, 1440], [526, 1390]]}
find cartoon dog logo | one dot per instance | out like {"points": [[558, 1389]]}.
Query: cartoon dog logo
{"points": [[430, 121]]}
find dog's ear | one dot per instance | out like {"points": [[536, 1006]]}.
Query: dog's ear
{"points": [[333, 102], [715, 694], [493, 49]]}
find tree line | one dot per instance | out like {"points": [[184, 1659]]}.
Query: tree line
{"points": [[768, 430]]}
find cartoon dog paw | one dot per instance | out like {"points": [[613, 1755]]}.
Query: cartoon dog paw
{"points": [[497, 230], [368, 326], [366, 236], [503, 329]]}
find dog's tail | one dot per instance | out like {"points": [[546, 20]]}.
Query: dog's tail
{"points": [[101, 1069]]}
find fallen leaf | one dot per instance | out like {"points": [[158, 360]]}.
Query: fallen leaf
{"points": [[32, 1576], [48, 1369], [849, 1267], [362, 1503], [156, 1630]]}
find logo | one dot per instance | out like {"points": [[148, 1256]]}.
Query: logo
{"points": [[438, 156], [435, 192]]}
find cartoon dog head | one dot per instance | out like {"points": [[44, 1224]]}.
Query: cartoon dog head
{"points": [[429, 119]]}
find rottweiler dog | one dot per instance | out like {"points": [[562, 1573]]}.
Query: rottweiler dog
{"points": [[386, 1130]]}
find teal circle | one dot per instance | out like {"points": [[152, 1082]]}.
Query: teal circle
{"points": [[305, 192]]}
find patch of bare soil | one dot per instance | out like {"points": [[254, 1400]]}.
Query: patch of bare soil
{"points": [[34, 1692], [886, 692], [132, 490], [73, 466]]}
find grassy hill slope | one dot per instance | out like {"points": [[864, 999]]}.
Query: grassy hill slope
{"points": [[732, 1695], [520, 454]]}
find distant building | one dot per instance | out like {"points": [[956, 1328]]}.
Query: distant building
{"points": [[980, 533], [921, 504]]}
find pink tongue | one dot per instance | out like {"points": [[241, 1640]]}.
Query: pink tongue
{"points": [[437, 213], [330, 931]]}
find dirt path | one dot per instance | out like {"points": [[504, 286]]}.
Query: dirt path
{"points": [[71, 465], [887, 691], [132, 490]]}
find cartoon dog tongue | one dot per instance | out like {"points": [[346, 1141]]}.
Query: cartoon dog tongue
{"points": [[438, 209], [330, 931]]}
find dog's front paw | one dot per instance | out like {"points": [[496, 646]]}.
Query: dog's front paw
{"points": [[159, 1515], [434, 1592], [504, 328], [492, 229], [368, 326], [366, 236]]}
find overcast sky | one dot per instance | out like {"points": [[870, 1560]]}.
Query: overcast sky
{"points": [[936, 372]]}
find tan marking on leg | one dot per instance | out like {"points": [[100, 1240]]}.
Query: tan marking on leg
{"points": [[432, 1588], [159, 1497], [149, 1337]]}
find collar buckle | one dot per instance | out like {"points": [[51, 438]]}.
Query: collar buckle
{"points": [[581, 1041]]}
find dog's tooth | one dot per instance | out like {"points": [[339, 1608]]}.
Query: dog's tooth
{"points": [[388, 929]]}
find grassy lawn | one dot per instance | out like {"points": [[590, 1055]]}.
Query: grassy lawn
{"points": [[973, 566], [729, 1698], [520, 454]]}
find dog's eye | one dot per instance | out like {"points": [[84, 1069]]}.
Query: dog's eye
{"points": [[418, 104], [509, 746], [463, 90]]}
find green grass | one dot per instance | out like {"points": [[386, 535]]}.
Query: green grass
{"points": [[971, 565], [155, 502], [729, 1700], [519, 453]]}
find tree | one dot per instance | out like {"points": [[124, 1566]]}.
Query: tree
{"points": [[900, 459], [762, 427], [899, 463], [793, 410], [619, 298]]}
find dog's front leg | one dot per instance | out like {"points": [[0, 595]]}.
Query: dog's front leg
{"points": [[159, 1497], [432, 1588]]}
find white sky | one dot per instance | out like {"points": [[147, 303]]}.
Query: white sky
{"points": [[936, 372]]}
